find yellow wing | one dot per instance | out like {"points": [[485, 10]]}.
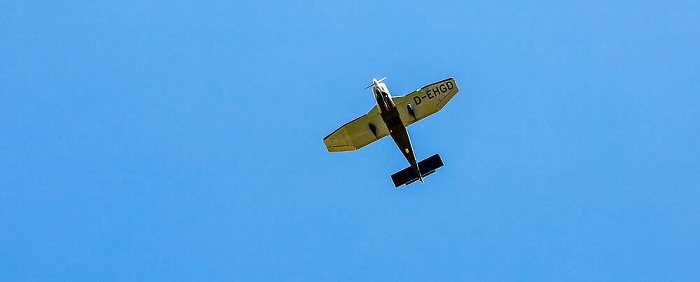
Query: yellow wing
{"points": [[425, 101], [357, 133], [412, 107]]}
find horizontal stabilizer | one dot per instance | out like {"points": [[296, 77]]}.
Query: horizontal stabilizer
{"points": [[426, 167]]}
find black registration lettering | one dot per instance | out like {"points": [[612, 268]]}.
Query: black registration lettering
{"points": [[436, 90]]}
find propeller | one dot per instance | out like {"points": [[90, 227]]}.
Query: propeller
{"points": [[375, 82]]}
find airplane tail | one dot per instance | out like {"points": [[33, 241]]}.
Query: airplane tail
{"points": [[408, 175]]}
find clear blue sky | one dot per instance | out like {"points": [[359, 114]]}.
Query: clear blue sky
{"points": [[164, 140]]}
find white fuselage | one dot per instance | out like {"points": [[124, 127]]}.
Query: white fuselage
{"points": [[392, 120], [383, 98]]}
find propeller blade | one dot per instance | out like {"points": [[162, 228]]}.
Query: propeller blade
{"points": [[375, 82]]}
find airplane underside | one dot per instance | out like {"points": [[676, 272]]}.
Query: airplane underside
{"points": [[390, 116], [399, 133]]}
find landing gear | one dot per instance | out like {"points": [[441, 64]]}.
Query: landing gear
{"points": [[410, 110], [373, 128]]}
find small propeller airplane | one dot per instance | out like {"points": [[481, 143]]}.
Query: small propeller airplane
{"points": [[391, 116]]}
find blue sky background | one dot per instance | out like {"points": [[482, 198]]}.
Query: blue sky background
{"points": [[167, 140]]}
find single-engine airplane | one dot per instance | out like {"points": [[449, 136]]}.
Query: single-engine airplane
{"points": [[391, 116]]}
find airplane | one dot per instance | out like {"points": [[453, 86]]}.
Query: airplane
{"points": [[391, 116]]}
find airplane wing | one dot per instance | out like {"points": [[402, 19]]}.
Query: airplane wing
{"points": [[425, 101], [357, 133]]}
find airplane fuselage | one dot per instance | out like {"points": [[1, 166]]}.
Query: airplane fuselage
{"points": [[390, 116]]}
